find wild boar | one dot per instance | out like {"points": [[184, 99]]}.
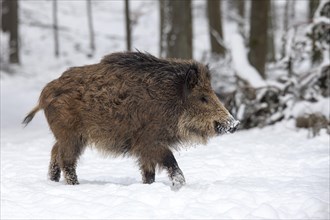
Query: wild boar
{"points": [[132, 104]]}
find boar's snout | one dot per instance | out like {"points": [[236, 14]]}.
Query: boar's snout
{"points": [[229, 126], [233, 124]]}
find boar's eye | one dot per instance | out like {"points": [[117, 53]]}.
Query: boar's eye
{"points": [[203, 99]]}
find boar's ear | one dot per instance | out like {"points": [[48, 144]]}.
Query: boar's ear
{"points": [[191, 79]]}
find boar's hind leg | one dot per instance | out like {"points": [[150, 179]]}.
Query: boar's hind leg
{"points": [[148, 171], [174, 172], [54, 171], [69, 152]]}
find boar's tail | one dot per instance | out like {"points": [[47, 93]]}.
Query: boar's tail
{"points": [[30, 116]]}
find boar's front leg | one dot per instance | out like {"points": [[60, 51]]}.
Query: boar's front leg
{"points": [[164, 158], [174, 172]]}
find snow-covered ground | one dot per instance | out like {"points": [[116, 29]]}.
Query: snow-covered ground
{"points": [[271, 173]]}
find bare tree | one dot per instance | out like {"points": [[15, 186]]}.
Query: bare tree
{"points": [[176, 28], [215, 27], [5, 15], [9, 23], [258, 35], [286, 16], [128, 26], [289, 15], [55, 28], [239, 7], [313, 4], [162, 31], [316, 54], [292, 12], [271, 55], [90, 26]]}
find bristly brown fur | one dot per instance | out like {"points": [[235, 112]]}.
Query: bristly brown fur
{"points": [[131, 104]]}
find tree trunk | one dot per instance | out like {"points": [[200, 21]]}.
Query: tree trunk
{"points": [[313, 4], [215, 26], [285, 28], [241, 13], [238, 6], [5, 15], [271, 44], [128, 27], [258, 35], [241, 8], [162, 31], [13, 30], [286, 16], [55, 28], [9, 23], [90, 26], [292, 7], [178, 28]]}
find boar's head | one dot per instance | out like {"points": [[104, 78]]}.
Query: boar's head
{"points": [[204, 116]]}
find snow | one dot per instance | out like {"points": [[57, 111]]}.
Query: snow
{"points": [[240, 61], [317, 14], [275, 172], [322, 107], [272, 173]]}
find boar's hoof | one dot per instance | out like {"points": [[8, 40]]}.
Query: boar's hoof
{"points": [[148, 177], [70, 176], [55, 178], [54, 172], [178, 181], [72, 182]]}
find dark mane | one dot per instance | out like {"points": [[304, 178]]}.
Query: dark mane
{"points": [[145, 62]]}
